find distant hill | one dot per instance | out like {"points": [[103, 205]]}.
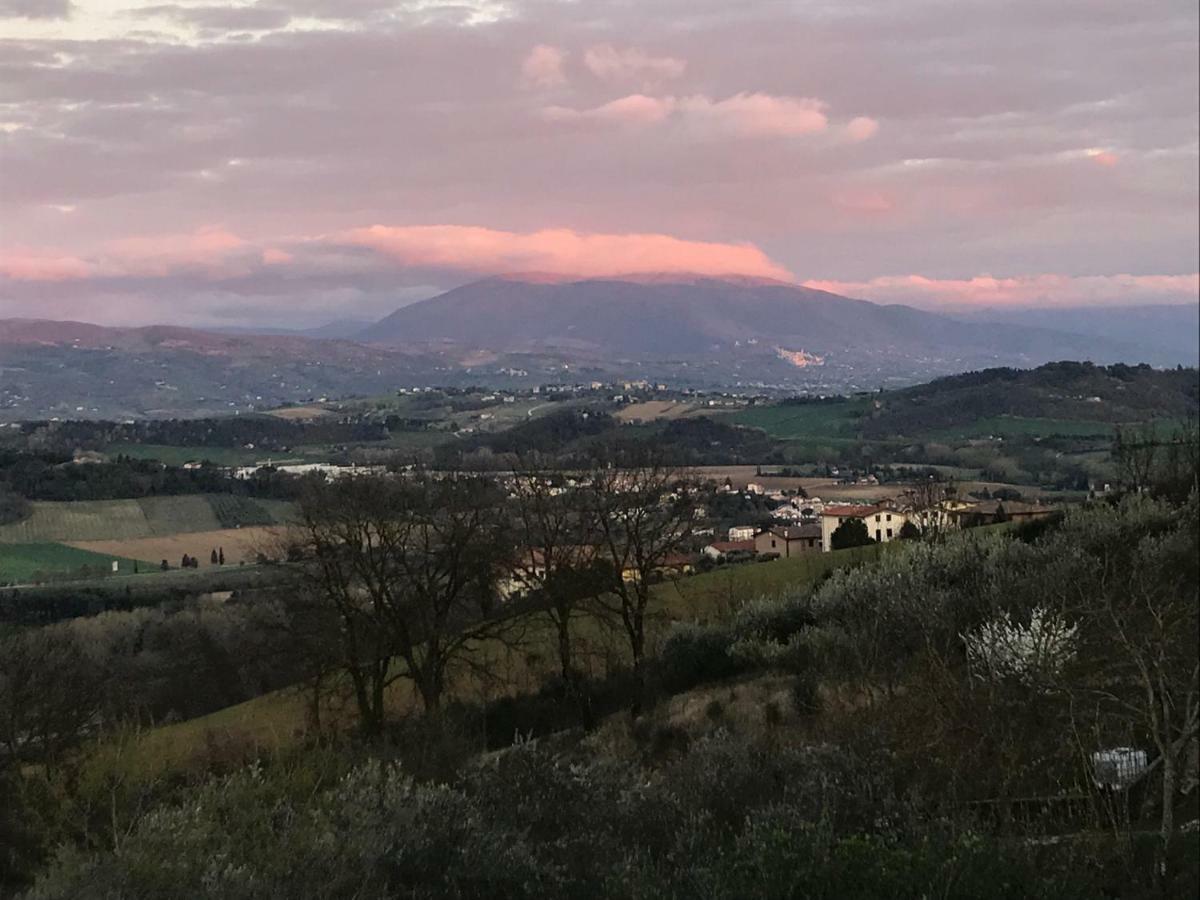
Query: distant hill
{"points": [[1068, 391], [750, 326], [78, 370], [1170, 334]]}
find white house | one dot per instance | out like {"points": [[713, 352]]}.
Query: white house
{"points": [[883, 522], [742, 532]]}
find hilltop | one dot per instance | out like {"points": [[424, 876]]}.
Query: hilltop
{"points": [[1070, 391]]}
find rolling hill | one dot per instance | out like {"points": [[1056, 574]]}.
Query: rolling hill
{"points": [[779, 326]]}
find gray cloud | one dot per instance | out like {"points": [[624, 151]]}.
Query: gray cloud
{"points": [[35, 9], [1014, 137]]}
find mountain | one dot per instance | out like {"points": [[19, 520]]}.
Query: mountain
{"points": [[753, 327], [697, 332], [1171, 333]]}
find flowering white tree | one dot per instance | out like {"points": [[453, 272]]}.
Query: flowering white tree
{"points": [[1027, 653]]}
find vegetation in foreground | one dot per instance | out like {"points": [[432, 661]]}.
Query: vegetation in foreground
{"points": [[1016, 709], [935, 735]]}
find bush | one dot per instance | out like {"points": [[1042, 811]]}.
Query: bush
{"points": [[694, 654]]}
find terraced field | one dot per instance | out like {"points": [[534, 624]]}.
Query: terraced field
{"points": [[80, 520], [121, 520]]}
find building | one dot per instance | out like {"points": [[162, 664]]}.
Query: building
{"points": [[742, 532], [988, 512], [883, 522], [788, 541], [723, 551]]}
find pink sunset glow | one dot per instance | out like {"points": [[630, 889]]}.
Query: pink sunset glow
{"points": [[561, 252], [1029, 290], [319, 159]]}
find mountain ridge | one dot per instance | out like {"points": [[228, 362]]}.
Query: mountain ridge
{"points": [[696, 315]]}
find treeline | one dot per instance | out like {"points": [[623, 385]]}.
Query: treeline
{"points": [[268, 433], [47, 475], [577, 436]]}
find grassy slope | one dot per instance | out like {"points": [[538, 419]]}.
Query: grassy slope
{"points": [[275, 720], [834, 422], [21, 563]]}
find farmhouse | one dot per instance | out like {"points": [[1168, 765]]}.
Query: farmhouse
{"points": [[883, 522], [788, 541]]}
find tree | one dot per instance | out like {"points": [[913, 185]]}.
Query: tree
{"points": [[851, 533], [641, 514], [909, 532], [212, 557], [49, 694], [1139, 660], [1134, 451], [402, 567], [221, 556], [556, 560]]}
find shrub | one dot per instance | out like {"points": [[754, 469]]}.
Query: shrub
{"points": [[694, 654]]}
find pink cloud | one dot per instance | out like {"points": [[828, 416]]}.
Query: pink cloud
{"points": [[1022, 290], [543, 67], [1102, 157], [610, 64], [206, 248], [273, 256], [760, 115], [635, 109], [212, 251], [40, 266], [861, 128], [560, 251], [743, 115]]}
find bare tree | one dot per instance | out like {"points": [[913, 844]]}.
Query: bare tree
{"points": [[406, 568], [556, 560], [1139, 668], [1135, 451], [642, 515]]}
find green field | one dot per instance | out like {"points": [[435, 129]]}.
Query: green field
{"points": [[108, 520], [22, 563], [828, 422], [177, 456], [1018, 426]]}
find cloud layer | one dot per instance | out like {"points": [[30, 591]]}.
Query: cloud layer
{"points": [[842, 141], [1029, 290]]}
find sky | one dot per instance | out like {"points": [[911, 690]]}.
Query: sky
{"points": [[292, 162]]}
